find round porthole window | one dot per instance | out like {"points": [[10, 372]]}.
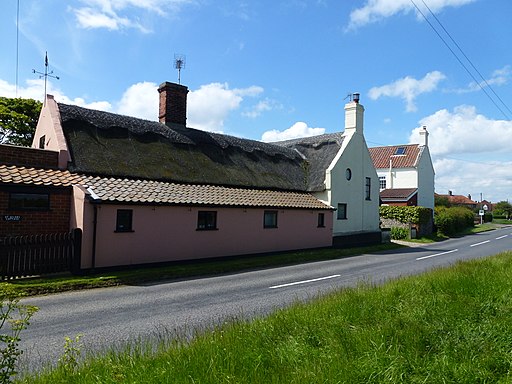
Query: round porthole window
{"points": [[348, 174]]}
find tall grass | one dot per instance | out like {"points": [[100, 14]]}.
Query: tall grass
{"points": [[450, 326]]}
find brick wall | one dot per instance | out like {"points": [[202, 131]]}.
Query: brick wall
{"points": [[37, 222], [28, 157]]}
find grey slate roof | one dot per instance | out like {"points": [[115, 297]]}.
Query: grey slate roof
{"points": [[320, 152], [108, 144]]}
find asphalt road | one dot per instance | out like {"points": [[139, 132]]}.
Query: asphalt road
{"points": [[111, 317]]}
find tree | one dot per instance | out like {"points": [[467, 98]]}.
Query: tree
{"points": [[503, 208], [18, 120], [441, 201]]}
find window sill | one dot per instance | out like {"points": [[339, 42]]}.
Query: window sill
{"points": [[124, 231], [206, 229]]}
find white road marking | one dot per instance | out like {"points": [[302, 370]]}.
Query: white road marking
{"points": [[483, 242], [304, 281], [501, 237], [437, 254]]}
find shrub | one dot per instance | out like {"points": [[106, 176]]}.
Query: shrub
{"points": [[449, 221], [399, 233], [14, 318], [406, 215]]}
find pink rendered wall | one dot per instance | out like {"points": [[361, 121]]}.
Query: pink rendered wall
{"points": [[169, 233]]}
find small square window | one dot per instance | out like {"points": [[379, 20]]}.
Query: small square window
{"points": [[206, 220], [29, 201], [342, 211], [321, 220], [270, 219], [124, 220]]}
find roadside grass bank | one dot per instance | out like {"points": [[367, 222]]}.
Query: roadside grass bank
{"points": [[179, 270], [434, 238], [450, 325]]}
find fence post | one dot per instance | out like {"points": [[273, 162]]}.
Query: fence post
{"points": [[76, 259]]}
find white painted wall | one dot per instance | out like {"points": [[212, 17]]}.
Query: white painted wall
{"points": [[362, 214], [426, 180]]}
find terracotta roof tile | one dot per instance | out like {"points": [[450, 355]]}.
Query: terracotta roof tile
{"points": [[381, 156], [148, 191]]}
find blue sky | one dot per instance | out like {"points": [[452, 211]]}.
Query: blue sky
{"points": [[271, 70]]}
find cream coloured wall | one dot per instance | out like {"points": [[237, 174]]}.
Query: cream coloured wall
{"points": [[164, 233], [362, 214]]}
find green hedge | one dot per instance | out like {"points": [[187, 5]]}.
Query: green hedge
{"points": [[449, 221], [399, 233], [406, 215]]}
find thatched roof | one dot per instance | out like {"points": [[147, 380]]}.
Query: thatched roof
{"points": [[320, 152], [108, 144]]}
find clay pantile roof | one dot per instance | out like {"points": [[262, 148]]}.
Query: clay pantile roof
{"points": [[136, 191], [409, 159], [11, 174], [397, 193], [158, 192], [459, 199]]}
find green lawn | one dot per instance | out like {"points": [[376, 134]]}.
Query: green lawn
{"points": [[49, 284], [452, 325]]}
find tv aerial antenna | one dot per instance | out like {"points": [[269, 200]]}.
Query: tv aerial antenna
{"points": [[46, 74], [179, 64]]}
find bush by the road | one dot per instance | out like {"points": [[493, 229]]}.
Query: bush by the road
{"points": [[449, 221]]}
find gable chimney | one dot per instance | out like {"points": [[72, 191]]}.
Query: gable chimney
{"points": [[424, 136], [173, 103], [354, 113]]}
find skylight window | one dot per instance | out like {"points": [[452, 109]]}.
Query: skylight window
{"points": [[400, 151]]}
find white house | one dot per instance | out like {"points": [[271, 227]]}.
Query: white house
{"points": [[342, 175], [406, 173]]}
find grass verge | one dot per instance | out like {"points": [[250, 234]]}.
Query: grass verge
{"points": [[451, 325], [45, 285]]}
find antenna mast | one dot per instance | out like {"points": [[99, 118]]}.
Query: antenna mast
{"points": [[46, 75], [179, 64]]}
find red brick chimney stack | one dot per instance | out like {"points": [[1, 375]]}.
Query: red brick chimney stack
{"points": [[173, 103]]}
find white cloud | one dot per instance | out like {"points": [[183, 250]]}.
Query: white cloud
{"points": [[260, 107], [210, 105], [119, 14], [376, 10], [140, 100], [408, 88], [498, 77], [207, 107], [464, 177], [465, 131], [465, 146], [297, 130]]}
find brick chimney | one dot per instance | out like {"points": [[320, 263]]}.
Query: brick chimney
{"points": [[173, 103], [354, 113]]}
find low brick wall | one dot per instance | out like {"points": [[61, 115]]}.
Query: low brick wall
{"points": [[28, 157]]}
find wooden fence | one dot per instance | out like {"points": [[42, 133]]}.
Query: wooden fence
{"points": [[31, 255]]}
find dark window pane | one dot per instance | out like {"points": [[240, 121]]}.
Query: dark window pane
{"points": [[321, 220], [29, 201], [270, 219], [124, 220], [342, 211], [207, 220]]}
